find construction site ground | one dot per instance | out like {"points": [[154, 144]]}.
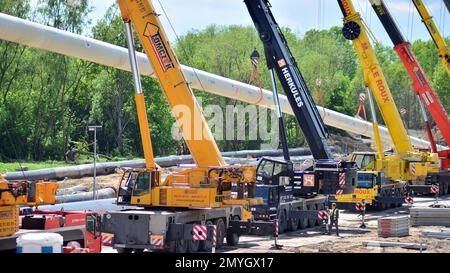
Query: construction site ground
{"points": [[313, 240]]}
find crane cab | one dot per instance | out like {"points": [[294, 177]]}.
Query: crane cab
{"points": [[364, 161], [272, 171], [136, 186], [274, 180]]}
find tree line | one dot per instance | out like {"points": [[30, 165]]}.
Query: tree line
{"points": [[48, 100]]}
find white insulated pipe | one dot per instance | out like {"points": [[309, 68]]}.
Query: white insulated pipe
{"points": [[35, 35]]}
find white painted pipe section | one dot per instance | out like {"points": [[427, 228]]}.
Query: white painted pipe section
{"points": [[72, 190], [99, 206], [86, 196], [54, 40]]}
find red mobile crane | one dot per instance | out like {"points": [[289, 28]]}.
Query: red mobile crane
{"points": [[422, 87]]}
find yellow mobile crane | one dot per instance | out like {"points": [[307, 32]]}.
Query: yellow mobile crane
{"points": [[443, 50], [176, 212], [406, 165], [17, 193]]}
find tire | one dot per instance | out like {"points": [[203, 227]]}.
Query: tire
{"points": [[181, 246], [193, 246], [318, 208], [124, 250], [303, 223], [220, 232], [445, 189], [206, 246], [293, 224], [233, 238], [282, 222], [311, 222]]}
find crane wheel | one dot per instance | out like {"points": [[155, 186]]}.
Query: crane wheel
{"points": [[193, 246], [282, 222], [311, 221], [206, 246], [303, 223], [293, 224], [181, 246], [318, 207], [233, 238], [178, 246]]}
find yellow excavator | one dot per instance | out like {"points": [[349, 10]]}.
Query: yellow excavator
{"points": [[391, 174], [443, 51], [17, 193], [171, 214]]}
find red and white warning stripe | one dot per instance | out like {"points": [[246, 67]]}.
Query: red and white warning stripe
{"points": [[323, 215], [107, 239], [362, 98], [360, 206], [339, 192], [342, 179], [156, 241], [409, 200], [413, 169], [434, 189], [214, 239], [199, 233], [276, 228]]}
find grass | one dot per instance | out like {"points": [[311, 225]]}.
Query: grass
{"points": [[13, 166]]}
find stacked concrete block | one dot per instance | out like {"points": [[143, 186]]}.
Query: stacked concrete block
{"points": [[430, 216], [393, 226]]}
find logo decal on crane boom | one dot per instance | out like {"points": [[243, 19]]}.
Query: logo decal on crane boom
{"points": [[292, 86], [152, 33]]}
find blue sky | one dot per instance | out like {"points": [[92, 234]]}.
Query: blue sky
{"points": [[299, 15]]}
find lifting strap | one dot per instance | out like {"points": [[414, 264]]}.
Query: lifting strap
{"points": [[255, 74], [319, 97], [362, 107]]}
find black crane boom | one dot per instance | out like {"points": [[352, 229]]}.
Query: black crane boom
{"points": [[280, 59]]}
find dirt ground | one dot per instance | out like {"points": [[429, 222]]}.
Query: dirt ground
{"points": [[105, 181], [313, 240]]}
